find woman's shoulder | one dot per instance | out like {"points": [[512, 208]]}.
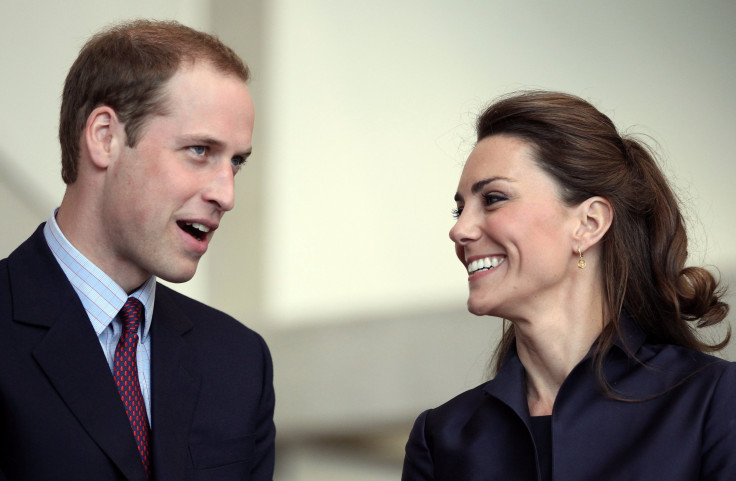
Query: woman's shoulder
{"points": [[667, 368], [459, 408], [674, 357]]}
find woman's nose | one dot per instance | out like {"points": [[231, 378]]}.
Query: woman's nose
{"points": [[465, 229]]}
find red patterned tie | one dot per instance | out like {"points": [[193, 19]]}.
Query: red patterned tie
{"points": [[125, 370]]}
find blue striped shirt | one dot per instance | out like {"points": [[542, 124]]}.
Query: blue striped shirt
{"points": [[102, 298]]}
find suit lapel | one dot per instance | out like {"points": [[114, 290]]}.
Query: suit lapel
{"points": [[175, 382], [70, 353], [71, 357]]}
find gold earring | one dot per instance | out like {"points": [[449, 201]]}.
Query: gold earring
{"points": [[581, 261]]}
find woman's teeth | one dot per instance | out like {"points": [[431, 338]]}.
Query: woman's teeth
{"points": [[484, 264]]}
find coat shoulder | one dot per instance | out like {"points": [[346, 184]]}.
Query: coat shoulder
{"points": [[215, 331], [199, 313], [457, 410]]}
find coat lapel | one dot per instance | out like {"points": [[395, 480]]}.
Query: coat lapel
{"points": [[70, 353], [175, 382], [508, 386]]}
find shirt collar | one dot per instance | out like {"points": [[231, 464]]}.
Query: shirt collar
{"points": [[101, 297]]}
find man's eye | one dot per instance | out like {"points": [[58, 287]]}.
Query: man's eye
{"points": [[198, 149], [238, 161]]}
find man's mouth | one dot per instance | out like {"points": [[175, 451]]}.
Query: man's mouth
{"points": [[485, 264], [194, 229]]}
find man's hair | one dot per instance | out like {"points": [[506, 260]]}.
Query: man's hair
{"points": [[126, 67]]}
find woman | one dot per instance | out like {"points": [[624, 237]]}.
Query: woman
{"points": [[572, 234]]}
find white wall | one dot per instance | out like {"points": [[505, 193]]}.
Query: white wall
{"points": [[371, 107], [364, 117]]}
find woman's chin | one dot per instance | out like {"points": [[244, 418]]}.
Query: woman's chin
{"points": [[482, 307], [477, 308]]}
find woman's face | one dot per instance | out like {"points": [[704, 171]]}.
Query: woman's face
{"points": [[513, 233]]}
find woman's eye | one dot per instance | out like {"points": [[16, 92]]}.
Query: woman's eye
{"points": [[492, 198], [456, 212], [198, 149]]}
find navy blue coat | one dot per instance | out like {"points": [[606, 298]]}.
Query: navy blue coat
{"points": [[61, 417], [685, 432]]}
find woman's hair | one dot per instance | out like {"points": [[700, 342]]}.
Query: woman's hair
{"points": [[127, 67], [643, 253]]}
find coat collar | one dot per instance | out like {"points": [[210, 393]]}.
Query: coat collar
{"points": [[630, 336], [509, 385]]}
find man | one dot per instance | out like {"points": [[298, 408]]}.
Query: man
{"points": [[105, 374]]}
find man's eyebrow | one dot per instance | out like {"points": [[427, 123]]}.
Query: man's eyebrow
{"points": [[202, 140], [196, 139]]}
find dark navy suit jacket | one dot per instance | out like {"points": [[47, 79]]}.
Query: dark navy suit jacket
{"points": [[61, 417], [681, 433]]}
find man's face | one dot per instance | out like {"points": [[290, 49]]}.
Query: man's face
{"points": [[165, 197]]}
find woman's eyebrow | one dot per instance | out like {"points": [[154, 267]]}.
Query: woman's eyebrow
{"points": [[478, 186]]}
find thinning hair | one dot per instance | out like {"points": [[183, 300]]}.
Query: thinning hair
{"points": [[126, 67]]}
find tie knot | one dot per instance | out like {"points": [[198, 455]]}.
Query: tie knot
{"points": [[131, 313]]}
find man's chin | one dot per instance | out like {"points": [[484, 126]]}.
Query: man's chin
{"points": [[177, 276]]}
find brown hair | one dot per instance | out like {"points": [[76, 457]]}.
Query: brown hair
{"points": [[644, 251], [126, 67]]}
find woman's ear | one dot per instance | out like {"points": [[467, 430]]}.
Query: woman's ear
{"points": [[596, 216], [103, 137]]}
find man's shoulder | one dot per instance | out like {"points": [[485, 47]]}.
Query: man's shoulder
{"points": [[32, 246], [208, 334], [31, 267], [204, 318]]}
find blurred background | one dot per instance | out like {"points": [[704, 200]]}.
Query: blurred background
{"points": [[337, 251]]}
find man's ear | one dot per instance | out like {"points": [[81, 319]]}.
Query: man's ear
{"points": [[596, 216], [104, 136]]}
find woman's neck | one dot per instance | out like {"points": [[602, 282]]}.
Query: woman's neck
{"points": [[549, 349]]}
